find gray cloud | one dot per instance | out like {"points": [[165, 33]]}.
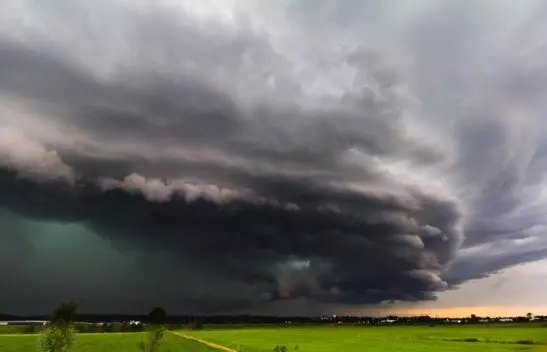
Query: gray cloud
{"points": [[279, 165]]}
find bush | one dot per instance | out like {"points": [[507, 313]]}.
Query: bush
{"points": [[30, 329], [88, 328], [197, 324], [525, 342], [471, 339], [57, 339], [155, 337], [106, 327]]}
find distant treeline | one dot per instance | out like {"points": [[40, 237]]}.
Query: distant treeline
{"points": [[117, 322]]}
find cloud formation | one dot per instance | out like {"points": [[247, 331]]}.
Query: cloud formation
{"points": [[344, 153]]}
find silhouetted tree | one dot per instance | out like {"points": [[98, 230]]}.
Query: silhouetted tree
{"points": [[59, 335], [65, 313], [197, 324], [157, 316]]}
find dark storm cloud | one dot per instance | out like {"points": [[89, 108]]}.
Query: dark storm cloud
{"points": [[261, 167]]}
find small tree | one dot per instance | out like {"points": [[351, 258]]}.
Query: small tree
{"points": [[58, 336], [154, 341], [157, 318], [65, 313], [197, 324]]}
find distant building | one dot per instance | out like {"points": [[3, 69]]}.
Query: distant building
{"points": [[23, 322]]}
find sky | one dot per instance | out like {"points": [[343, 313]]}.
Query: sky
{"points": [[275, 157]]}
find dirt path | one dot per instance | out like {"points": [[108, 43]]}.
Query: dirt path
{"points": [[210, 344]]}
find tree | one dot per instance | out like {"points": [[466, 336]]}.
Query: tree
{"points": [[530, 316], [153, 343], [65, 313], [473, 317], [157, 316], [197, 324], [59, 334]]}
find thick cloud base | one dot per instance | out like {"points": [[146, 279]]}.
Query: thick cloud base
{"points": [[280, 157]]}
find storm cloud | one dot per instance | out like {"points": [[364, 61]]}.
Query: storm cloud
{"points": [[349, 152]]}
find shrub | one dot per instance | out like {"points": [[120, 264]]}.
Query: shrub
{"points": [[153, 343], [107, 327], [57, 339], [471, 339], [30, 329], [525, 342]]}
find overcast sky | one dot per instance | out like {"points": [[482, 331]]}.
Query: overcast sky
{"points": [[273, 157]]}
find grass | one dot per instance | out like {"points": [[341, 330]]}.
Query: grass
{"points": [[396, 338], [113, 342], [471, 338]]}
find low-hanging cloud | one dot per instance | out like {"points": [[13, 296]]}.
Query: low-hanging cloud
{"points": [[285, 156]]}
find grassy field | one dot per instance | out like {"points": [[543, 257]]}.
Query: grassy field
{"points": [[412, 338], [114, 342], [495, 338]]}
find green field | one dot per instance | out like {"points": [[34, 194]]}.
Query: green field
{"points": [[496, 338], [113, 342], [411, 338]]}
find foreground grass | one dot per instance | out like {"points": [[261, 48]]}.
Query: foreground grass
{"points": [[114, 342], [411, 338], [479, 338]]}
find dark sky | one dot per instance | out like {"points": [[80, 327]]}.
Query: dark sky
{"points": [[288, 157]]}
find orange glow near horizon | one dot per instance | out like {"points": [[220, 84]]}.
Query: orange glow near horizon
{"points": [[455, 312]]}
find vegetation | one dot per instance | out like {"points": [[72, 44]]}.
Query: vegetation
{"points": [[495, 338], [157, 318], [126, 342], [197, 324], [58, 336], [65, 313], [57, 339], [348, 338]]}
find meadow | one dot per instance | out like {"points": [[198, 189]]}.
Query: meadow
{"points": [[531, 337], [470, 338], [103, 342]]}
